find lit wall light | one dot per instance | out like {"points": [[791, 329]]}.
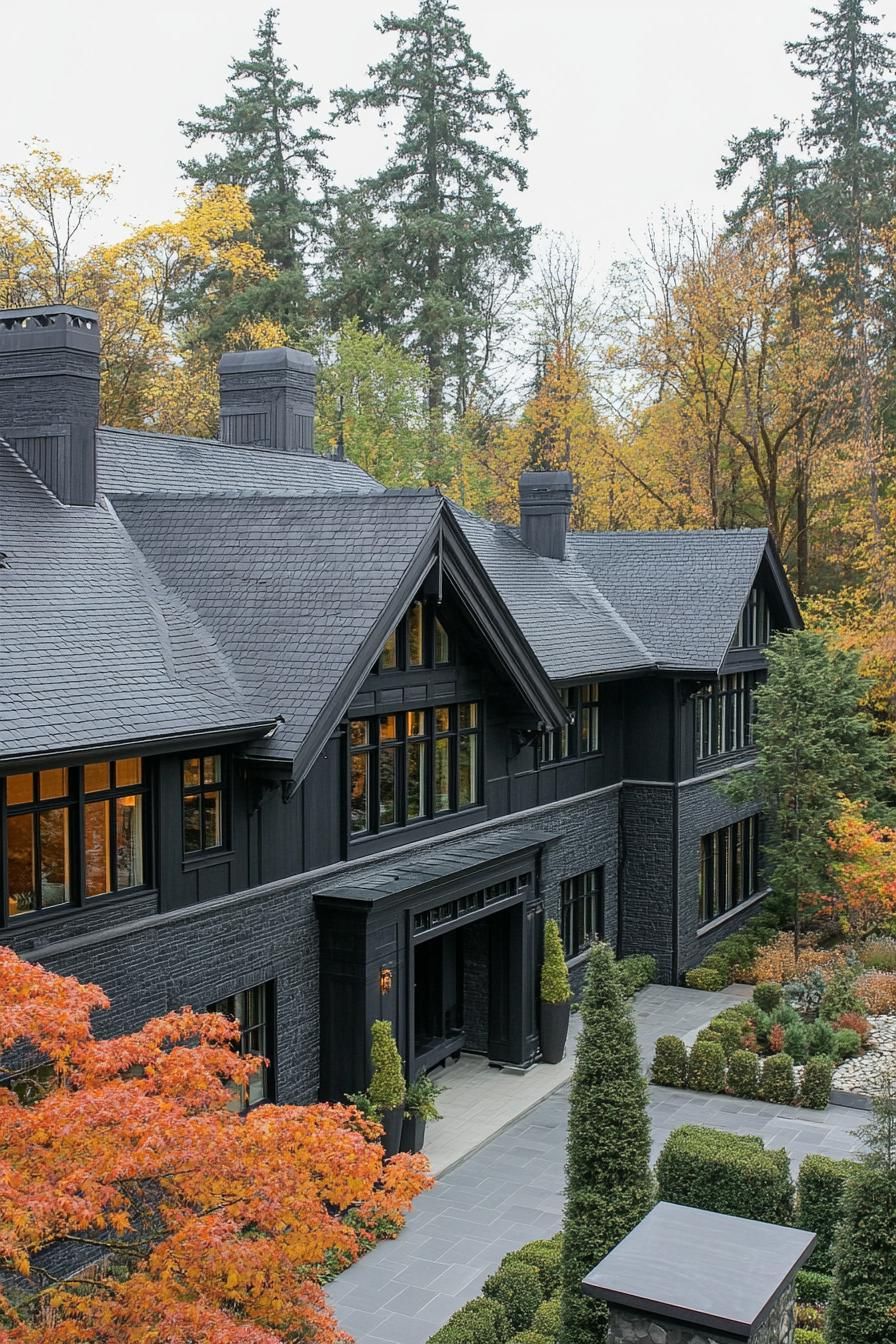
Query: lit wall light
{"points": [[385, 979]]}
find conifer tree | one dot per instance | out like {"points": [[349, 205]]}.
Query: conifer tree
{"points": [[444, 228], [862, 1309], [609, 1187], [265, 144]]}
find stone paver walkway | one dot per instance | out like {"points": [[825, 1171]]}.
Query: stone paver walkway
{"points": [[510, 1189]]}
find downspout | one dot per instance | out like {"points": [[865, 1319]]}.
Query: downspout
{"points": [[676, 773]]}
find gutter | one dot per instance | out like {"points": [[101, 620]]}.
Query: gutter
{"points": [[140, 746]]}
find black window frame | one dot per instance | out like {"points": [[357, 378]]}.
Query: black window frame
{"points": [[730, 871], [200, 791], [244, 1046], [580, 895], [754, 625], [724, 714], [566, 744], [400, 637], [75, 799], [364, 739]]}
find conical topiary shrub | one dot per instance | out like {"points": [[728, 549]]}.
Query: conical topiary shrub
{"points": [[555, 996], [609, 1184], [387, 1084]]}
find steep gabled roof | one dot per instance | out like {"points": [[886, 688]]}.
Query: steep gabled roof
{"points": [[560, 609], [300, 593], [93, 651], [682, 592], [131, 461]]}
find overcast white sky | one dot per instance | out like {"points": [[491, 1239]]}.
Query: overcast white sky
{"points": [[633, 100]]}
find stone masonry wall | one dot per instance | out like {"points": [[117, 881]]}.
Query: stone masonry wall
{"points": [[647, 872], [634, 1327]]}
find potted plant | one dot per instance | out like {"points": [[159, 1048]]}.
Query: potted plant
{"points": [[419, 1106], [555, 996], [387, 1086]]}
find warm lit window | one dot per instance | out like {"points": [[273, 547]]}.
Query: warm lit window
{"points": [[414, 626], [253, 1010], [74, 831], [729, 867], [442, 643], [420, 763], [203, 803], [419, 640], [723, 719], [581, 911], [389, 655]]}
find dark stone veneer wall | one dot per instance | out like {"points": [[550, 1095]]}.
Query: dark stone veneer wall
{"points": [[202, 953]]}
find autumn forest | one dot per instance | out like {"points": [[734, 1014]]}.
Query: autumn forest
{"points": [[727, 375]]}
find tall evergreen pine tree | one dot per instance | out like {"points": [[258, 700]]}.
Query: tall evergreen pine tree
{"points": [[445, 230], [281, 164], [609, 1186]]}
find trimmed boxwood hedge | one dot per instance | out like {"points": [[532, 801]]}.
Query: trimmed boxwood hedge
{"points": [[725, 1173], [670, 1062], [813, 1287], [481, 1321], [543, 1256], [706, 1067], [636, 972], [815, 1087], [819, 1197], [518, 1288]]}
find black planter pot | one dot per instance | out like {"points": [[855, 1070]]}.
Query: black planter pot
{"points": [[412, 1132], [554, 1026], [391, 1122]]}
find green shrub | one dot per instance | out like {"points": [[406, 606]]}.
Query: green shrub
{"points": [[806, 993], [555, 987], [543, 1256], [820, 1039], [778, 1082], [840, 995], [387, 1085], [481, 1321], [812, 1287], [530, 1337], [519, 1290], [702, 978], [785, 1015], [801, 1336], [847, 1043], [670, 1062], [820, 1188], [706, 1067], [739, 950], [609, 1187], [547, 1317], [795, 1043], [762, 1025], [725, 1173], [635, 972], [736, 1012], [709, 1036], [729, 1031], [768, 995], [815, 1087], [743, 1074]]}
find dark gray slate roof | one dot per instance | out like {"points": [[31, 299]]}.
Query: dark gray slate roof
{"points": [[93, 651], [290, 587], [136, 462], [557, 605], [681, 591], [705, 1268]]}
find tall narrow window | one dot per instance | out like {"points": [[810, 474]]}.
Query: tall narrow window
{"points": [[581, 911], [113, 828], [389, 655], [467, 755], [415, 629], [360, 774], [729, 868], [388, 765], [589, 717], [38, 841], [442, 751], [442, 643], [416, 764], [203, 804], [253, 1010]]}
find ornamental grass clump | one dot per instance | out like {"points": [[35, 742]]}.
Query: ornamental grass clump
{"points": [[555, 986], [609, 1185], [670, 1062], [387, 1086]]}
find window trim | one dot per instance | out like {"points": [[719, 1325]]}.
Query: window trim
{"points": [[432, 615], [221, 787], [736, 848], [560, 745], [714, 703], [269, 1025], [372, 749]]}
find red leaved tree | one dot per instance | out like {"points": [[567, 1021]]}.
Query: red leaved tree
{"points": [[190, 1222]]}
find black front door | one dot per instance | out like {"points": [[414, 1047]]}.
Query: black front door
{"points": [[438, 1000]]}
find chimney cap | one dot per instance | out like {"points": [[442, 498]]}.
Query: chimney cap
{"points": [[536, 485], [11, 317], [279, 357]]}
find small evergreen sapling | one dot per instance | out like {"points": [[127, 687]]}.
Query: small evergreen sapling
{"points": [[555, 986], [387, 1086]]}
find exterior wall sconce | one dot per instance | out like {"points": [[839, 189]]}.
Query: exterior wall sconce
{"points": [[385, 979]]}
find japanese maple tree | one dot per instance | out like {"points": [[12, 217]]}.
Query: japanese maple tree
{"points": [[190, 1222], [863, 870]]}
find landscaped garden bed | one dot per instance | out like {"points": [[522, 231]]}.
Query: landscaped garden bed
{"points": [[795, 1041]]}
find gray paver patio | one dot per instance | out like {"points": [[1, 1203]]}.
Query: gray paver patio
{"points": [[510, 1189]]}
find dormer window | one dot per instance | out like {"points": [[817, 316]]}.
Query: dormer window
{"points": [[754, 627], [419, 640]]}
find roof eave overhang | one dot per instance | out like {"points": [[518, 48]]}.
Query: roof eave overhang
{"points": [[146, 745]]}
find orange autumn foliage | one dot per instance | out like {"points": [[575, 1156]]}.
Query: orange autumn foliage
{"points": [[863, 871], [776, 961], [877, 989], [203, 1224]]}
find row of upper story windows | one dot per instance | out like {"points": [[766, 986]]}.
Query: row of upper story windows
{"points": [[76, 833], [754, 629], [724, 712]]}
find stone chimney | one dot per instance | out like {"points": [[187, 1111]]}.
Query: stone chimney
{"points": [[267, 400], [50, 394], [545, 502], [686, 1276]]}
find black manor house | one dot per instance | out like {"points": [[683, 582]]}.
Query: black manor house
{"points": [[282, 742]]}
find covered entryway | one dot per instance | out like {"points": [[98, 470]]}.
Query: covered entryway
{"points": [[446, 946]]}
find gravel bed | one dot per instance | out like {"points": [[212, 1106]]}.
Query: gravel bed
{"points": [[861, 1074]]}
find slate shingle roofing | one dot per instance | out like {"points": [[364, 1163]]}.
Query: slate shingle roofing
{"points": [[216, 587]]}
